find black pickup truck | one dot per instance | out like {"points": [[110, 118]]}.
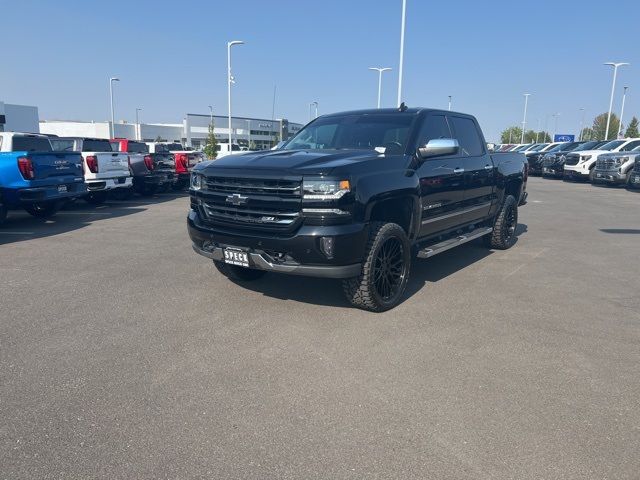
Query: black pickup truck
{"points": [[354, 196]]}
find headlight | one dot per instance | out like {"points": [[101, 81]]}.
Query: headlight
{"points": [[584, 158], [623, 160], [196, 181], [325, 189]]}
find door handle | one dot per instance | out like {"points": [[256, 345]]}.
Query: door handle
{"points": [[458, 170], [488, 167]]}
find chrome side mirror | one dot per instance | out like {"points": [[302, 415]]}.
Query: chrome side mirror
{"points": [[439, 147]]}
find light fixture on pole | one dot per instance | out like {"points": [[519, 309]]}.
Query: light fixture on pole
{"points": [[138, 132], [449, 102], [613, 88], [524, 118], [624, 96], [230, 80], [379, 70], [581, 124], [312, 104], [112, 131], [404, 17]]}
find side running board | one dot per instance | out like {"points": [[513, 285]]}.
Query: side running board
{"points": [[437, 248]]}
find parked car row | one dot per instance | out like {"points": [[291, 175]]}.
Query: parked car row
{"points": [[616, 162], [39, 173]]}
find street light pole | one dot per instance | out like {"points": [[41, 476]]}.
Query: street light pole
{"points": [[613, 88], [449, 102], [113, 125], [379, 70], [524, 119], [311, 105], [210, 114], [138, 133], [555, 128], [624, 96], [404, 17], [581, 124], [538, 131], [229, 82], [249, 134]]}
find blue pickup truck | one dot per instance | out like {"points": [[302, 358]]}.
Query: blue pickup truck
{"points": [[34, 177]]}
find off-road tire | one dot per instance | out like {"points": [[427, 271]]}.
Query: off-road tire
{"points": [[43, 209], [504, 226], [361, 291], [240, 274]]}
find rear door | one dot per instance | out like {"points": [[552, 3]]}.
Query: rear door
{"points": [[479, 171], [441, 180]]}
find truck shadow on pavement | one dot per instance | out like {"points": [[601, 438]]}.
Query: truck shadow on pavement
{"points": [[327, 292], [20, 226]]}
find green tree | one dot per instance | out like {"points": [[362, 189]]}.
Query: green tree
{"points": [[587, 134], [600, 127], [632, 129], [511, 135], [210, 146]]}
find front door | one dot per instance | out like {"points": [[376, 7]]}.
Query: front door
{"points": [[441, 181]]}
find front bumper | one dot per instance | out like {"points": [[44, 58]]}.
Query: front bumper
{"points": [[634, 180], [555, 171], [609, 176], [156, 178], [575, 174], [298, 254]]}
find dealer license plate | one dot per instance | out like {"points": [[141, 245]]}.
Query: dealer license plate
{"points": [[236, 257], [636, 179], [62, 188]]}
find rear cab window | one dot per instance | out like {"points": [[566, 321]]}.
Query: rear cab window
{"points": [[62, 145], [96, 145], [138, 147], [31, 144]]}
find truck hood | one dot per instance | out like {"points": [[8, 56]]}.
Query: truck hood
{"points": [[302, 162]]}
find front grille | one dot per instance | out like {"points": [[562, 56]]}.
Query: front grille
{"points": [[287, 188], [572, 159], [547, 161], [636, 165], [606, 164], [272, 205]]}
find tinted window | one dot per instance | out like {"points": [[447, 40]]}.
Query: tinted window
{"points": [[611, 145], [90, 145], [434, 127], [630, 146], [359, 131], [172, 147], [467, 135], [31, 144], [115, 146], [235, 148], [63, 145], [137, 147]]}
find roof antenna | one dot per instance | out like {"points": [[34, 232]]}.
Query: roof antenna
{"points": [[402, 107]]}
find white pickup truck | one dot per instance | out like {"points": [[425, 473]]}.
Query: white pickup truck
{"points": [[581, 165], [104, 169]]}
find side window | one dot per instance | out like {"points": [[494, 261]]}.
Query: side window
{"points": [[630, 146], [467, 134], [434, 127]]}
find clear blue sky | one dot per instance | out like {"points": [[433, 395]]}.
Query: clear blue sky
{"points": [[171, 57]]}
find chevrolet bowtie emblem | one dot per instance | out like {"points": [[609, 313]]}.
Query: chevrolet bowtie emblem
{"points": [[237, 199]]}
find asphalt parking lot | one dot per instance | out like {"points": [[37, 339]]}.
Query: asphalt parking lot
{"points": [[123, 354]]}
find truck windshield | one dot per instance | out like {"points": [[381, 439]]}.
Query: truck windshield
{"points": [[31, 144], [385, 133], [611, 145]]}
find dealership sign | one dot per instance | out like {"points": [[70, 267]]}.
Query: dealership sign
{"points": [[564, 138]]}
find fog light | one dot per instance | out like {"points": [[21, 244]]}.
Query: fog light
{"points": [[326, 245]]}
